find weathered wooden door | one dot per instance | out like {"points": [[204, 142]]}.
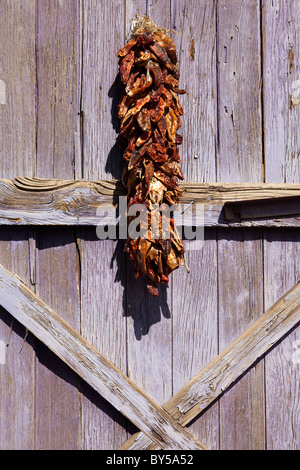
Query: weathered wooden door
{"points": [[239, 62]]}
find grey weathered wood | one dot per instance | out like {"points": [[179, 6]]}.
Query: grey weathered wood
{"points": [[103, 324], [57, 55], [240, 302], [239, 158], [195, 324], [215, 378], [262, 209], [92, 366], [103, 35], [195, 24], [18, 89], [35, 201], [281, 249], [239, 155], [234, 360], [281, 270], [57, 396], [17, 368], [75, 137], [103, 304], [281, 90], [17, 156], [58, 420]]}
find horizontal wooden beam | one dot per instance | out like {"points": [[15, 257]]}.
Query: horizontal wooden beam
{"points": [[92, 366], [229, 365], [38, 201], [286, 206]]}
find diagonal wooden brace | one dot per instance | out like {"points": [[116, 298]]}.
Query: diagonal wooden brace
{"points": [[229, 365], [92, 366]]}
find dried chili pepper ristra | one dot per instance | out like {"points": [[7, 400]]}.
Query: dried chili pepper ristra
{"points": [[149, 113]]}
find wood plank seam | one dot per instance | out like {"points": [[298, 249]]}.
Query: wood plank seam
{"points": [[92, 366], [188, 402], [230, 364]]}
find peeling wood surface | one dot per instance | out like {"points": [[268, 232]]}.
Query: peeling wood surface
{"points": [[93, 367]]}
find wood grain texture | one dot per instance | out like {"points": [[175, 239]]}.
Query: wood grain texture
{"points": [[240, 302], [195, 25], [57, 92], [93, 367], [195, 324], [234, 360], [239, 158], [194, 304], [18, 95], [17, 157], [57, 280], [17, 370], [38, 201], [103, 324], [103, 36], [239, 153], [281, 254], [57, 396], [215, 378], [281, 249], [103, 299], [281, 90]]}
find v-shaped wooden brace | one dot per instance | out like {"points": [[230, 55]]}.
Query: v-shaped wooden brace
{"points": [[162, 427]]}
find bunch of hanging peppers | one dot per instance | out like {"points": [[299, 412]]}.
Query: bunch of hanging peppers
{"points": [[149, 113]]}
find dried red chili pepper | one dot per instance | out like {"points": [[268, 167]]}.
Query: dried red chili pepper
{"points": [[150, 112]]}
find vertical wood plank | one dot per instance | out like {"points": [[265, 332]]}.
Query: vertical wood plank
{"points": [[240, 304], [57, 94], [104, 325], [282, 269], [194, 302], [239, 98], [281, 247], [17, 152], [133, 8], [57, 396], [57, 265], [282, 90], [239, 159], [195, 326], [17, 370], [17, 75], [149, 319], [195, 24], [103, 300], [103, 35]]}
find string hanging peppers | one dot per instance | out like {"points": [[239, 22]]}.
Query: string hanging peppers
{"points": [[149, 113]]}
